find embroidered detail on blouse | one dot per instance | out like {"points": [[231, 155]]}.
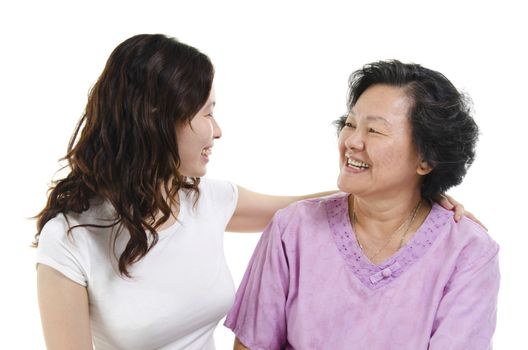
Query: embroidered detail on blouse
{"points": [[385, 273], [376, 276]]}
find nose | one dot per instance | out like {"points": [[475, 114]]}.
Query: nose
{"points": [[354, 139], [217, 132]]}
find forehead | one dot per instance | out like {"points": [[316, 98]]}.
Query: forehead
{"points": [[383, 102]]}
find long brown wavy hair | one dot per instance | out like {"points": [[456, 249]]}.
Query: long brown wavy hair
{"points": [[124, 147]]}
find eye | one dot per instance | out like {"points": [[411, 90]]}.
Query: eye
{"points": [[350, 125], [374, 131]]}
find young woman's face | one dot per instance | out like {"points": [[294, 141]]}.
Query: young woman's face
{"points": [[195, 140], [377, 155]]}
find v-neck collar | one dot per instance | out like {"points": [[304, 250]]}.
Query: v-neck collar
{"points": [[376, 276]]}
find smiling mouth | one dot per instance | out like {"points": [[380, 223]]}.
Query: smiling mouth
{"points": [[357, 164], [206, 152]]}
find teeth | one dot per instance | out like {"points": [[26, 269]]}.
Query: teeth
{"points": [[357, 163], [206, 151]]}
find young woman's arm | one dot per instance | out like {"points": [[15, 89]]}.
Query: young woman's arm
{"points": [[63, 311], [254, 210], [238, 345]]}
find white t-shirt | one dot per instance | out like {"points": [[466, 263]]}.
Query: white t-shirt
{"points": [[178, 291]]}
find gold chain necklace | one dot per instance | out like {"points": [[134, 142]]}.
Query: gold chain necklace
{"points": [[408, 220]]}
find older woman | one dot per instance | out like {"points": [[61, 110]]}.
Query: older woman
{"points": [[379, 266]]}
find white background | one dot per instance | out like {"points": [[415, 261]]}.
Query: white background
{"points": [[281, 79]]}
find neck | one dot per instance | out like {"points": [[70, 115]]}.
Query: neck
{"points": [[381, 217]]}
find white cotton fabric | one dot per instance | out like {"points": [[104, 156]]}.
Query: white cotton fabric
{"points": [[178, 292]]}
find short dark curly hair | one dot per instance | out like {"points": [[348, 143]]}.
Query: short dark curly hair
{"points": [[443, 128]]}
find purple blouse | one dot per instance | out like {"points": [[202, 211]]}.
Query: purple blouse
{"points": [[309, 285]]}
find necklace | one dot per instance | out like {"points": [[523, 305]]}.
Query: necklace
{"points": [[408, 220]]}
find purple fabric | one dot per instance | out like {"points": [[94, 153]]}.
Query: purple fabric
{"points": [[309, 286]]}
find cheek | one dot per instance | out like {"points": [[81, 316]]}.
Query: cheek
{"points": [[341, 142], [188, 142], [203, 130], [181, 137], [399, 157], [194, 136], [341, 149], [389, 157]]}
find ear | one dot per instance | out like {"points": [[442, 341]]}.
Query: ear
{"points": [[423, 168]]}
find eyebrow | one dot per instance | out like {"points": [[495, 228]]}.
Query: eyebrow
{"points": [[373, 118]]}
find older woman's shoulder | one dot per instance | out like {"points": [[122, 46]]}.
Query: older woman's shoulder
{"points": [[477, 239], [471, 239]]}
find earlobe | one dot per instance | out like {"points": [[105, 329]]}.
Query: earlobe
{"points": [[424, 168]]}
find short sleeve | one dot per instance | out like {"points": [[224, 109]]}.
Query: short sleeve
{"points": [[61, 251], [224, 196], [258, 317], [466, 316]]}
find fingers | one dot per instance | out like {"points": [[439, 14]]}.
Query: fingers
{"points": [[450, 204], [446, 201], [459, 208]]}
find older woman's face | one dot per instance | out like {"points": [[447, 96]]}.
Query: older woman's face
{"points": [[377, 156]]}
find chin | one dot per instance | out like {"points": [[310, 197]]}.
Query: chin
{"points": [[345, 185], [198, 174], [342, 185], [344, 189], [194, 173], [201, 173]]}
